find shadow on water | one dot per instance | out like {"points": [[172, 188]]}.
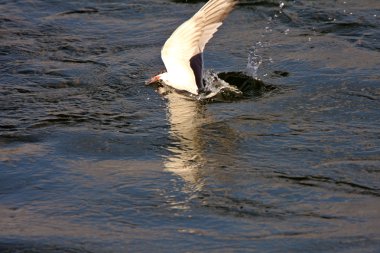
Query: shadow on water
{"points": [[250, 87]]}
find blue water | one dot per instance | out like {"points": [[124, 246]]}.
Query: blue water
{"points": [[92, 160]]}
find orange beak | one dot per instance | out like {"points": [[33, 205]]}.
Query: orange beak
{"points": [[153, 80]]}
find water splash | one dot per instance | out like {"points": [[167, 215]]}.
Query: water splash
{"points": [[282, 5], [256, 59], [254, 62], [216, 87]]}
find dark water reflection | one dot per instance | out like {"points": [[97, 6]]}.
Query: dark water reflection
{"points": [[92, 160]]}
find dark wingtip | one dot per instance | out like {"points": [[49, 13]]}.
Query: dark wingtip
{"points": [[196, 64]]}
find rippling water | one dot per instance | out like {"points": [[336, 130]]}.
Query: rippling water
{"points": [[92, 160]]}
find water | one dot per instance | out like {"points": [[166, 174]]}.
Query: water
{"points": [[92, 160]]}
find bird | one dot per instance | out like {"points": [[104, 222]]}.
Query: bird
{"points": [[182, 52]]}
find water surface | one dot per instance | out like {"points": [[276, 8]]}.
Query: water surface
{"points": [[92, 160]]}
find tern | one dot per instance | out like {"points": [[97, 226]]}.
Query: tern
{"points": [[182, 53]]}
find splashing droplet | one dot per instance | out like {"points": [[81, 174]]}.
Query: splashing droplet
{"points": [[254, 61], [215, 86]]}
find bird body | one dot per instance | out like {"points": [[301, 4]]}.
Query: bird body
{"points": [[182, 53]]}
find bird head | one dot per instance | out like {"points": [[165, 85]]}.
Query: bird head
{"points": [[162, 77]]}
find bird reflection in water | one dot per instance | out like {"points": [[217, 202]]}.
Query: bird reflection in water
{"points": [[200, 143], [186, 117]]}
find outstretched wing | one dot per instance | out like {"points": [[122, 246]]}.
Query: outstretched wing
{"points": [[182, 52]]}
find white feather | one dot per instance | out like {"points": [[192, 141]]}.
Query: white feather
{"points": [[190, 39]]}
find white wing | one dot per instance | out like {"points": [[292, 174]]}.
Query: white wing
{"points": [[182, 52]]}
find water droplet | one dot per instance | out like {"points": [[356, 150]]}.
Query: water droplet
{"points": [[254, 61]]}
